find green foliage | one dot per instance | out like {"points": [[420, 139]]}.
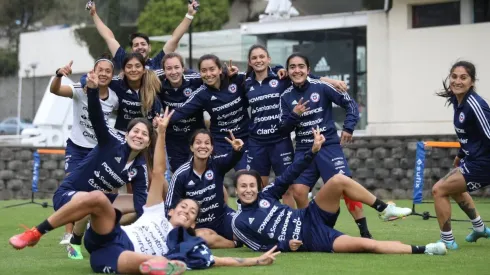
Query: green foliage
{"points": [[10, 64], [161, 17]]}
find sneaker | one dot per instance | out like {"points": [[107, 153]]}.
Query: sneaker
{"points": [[163, 267], [475, 235], [449, 245], [74, 251], [392, 211], [30, 237], [435, 249], [65, 240]]}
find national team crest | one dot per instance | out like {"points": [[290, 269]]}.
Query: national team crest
{"points": [[273, 83], [264, 204], [132, 173], [315, 97], [209, 175], [232, 88], [187, 92], [461, 117]]}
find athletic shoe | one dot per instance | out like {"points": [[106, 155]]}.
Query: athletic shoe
{"points": [[163, 267], [449, 245], [392, 211], [74, 251], [474, 235], [435, 249], [65, 240], [30, 237]]}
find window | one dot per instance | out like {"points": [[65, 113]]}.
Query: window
{"points": [[433, 15], [482, 11]]}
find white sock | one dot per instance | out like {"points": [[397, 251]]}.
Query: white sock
{"points": [[447, 236], [478, 225]]}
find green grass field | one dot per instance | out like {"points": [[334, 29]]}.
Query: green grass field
{"points": [[50, 258]]}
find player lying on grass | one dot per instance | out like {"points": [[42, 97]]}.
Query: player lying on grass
{"points": [[263, 222], [153, 241]]}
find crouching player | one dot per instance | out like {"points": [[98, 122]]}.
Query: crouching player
{"points": [[153, 243], [263, 222]]}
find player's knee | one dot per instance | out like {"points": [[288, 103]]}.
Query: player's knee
{"points": [[438, 190], [299, 191], [369, 246], [96, 198], [337, 180]]}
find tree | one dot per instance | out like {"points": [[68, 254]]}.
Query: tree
{"points": [[161, 17]]}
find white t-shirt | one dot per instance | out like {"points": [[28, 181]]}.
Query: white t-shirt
{"points": [[149, 233], [82, 132]]}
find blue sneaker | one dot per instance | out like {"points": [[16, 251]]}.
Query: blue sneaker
{"points": [[450, 245], [474, 235]]}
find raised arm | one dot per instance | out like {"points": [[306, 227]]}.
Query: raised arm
{"points": [[172, 44], [267, 258], [61, 90], [159, 184], [227, 161], [104, 31], [105, 136], [282, 183]]}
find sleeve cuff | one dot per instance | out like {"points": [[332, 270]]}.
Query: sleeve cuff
{"points": [[350, 131]]}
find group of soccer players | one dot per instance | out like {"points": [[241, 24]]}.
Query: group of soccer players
{"points": [[167, 227]]}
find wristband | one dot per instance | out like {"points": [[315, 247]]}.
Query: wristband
{"points": [[57, 74], [188, 16]]}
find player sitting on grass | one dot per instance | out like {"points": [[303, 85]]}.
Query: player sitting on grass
{"points": [[263, 222], [152, 243]]}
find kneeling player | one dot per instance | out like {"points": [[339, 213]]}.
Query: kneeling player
{"points": [[263, 222], [152, 242]]}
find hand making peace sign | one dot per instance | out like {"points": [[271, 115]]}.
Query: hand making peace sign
{"points": [[300, 108], [237, 144]]}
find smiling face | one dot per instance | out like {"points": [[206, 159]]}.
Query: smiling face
{"points": [[210, 72], [104, 71], [134, 70], [460, 81], [184, 214], [259, 60], [173, 70], [247, 188], [141, 46], [202, 147], [298, 70], [138, 137]]}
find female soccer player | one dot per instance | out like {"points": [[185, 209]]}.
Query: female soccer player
{"points": [[308, 103], [201, 179], [114, 162], [150, 244], [177, 87], [263, 222], [82, 137], [267, 147], [224, 99], [472, 172], [140, 42]]}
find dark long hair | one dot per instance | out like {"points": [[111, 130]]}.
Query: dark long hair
{"points": [[300, 55], [470, 69], [190, 230], [147, 152], [252, 173], [252, 48], [223, 77]]}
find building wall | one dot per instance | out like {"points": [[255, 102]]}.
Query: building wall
{"points": [[406, 68]]}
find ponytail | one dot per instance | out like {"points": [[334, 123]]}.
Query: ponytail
{"points": [[150, 86]]}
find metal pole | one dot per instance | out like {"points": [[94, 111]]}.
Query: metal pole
{"points": [[190, 46], [33, 66], [19, 102]]}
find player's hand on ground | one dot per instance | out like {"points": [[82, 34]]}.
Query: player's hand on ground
{"points": [[162, 121], [295, 244], [268, 257], [236, 143], [66, 70], [318, 140], [300, 108], [92, 80], [345, 138]]}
